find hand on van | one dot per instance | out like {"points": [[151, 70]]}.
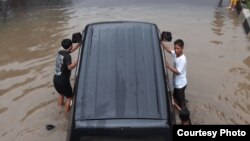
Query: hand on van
{"points": [[174, 70], [75, 46], [166, 47], [73, 65]]}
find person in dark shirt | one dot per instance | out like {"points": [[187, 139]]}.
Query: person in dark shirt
{"points": [[184, 115], [62, 72]]}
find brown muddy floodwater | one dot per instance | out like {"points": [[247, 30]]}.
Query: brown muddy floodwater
{"points": [[216, 47]]}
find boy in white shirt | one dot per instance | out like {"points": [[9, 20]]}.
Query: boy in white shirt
{"points": [[179, 70]]}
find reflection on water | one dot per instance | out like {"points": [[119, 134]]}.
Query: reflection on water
{"points": [[219, 18], [14, 8], [30, 34], [34, 36], [5, 9]]}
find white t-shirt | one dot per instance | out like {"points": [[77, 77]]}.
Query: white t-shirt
{"points": [[180, 63]]}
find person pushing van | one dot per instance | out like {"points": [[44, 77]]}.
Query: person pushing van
{"points": [[179, 70], [62, 72]]}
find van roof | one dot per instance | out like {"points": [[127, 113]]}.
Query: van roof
{"points": [[121, 74]]}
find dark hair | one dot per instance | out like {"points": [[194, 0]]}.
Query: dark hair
{"points": [[184, 114], [66, 43], [166, 36], [76, 37], [179, 42]]}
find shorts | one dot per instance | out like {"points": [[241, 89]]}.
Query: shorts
{"points": [[62, 86], [179, 96]]}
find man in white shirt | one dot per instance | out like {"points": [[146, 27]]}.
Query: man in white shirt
{"points": [[179, 70]]}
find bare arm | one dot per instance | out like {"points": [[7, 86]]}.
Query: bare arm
{"points": [[73, 65], [166, 47], [174, 70], [75, 46]]}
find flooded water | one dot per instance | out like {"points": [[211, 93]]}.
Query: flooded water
{"points": [[216, 47]]}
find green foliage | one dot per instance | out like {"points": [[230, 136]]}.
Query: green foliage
{"points": [[248, 4]]}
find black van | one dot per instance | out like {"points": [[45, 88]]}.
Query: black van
{"points": [[121, 93]]}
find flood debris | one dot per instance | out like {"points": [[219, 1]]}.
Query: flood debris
{"points": [[50, 127]]}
